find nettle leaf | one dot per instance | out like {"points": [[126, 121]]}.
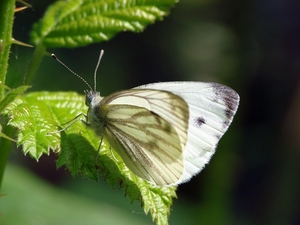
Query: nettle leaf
{"points": [[11, 95], [40, 119], [77, 23]]}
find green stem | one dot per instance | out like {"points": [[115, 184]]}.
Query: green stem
{"points": [[38, 54], [7, 8], [5, 147]]}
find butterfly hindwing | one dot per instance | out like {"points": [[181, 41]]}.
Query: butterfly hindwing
{"points": [[136, 127], [165, 104]]}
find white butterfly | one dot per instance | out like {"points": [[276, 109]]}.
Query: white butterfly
{"points": [[164, 132]]}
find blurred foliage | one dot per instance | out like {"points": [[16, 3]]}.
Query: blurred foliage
{"points": [[252, 46]]}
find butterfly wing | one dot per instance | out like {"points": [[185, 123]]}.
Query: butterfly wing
{"points": [[151, 146], [212, 107]]}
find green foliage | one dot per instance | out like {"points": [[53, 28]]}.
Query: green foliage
{"points": [[9, 97], [30, 200], [40, 118], [79, 23]]}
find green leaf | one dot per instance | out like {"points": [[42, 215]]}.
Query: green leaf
{"points": [[76, 23], [29, 200], [33, 120], [39, 117], [11, 95]]}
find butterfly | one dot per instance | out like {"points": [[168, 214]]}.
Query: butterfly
{"points": [[164, 132]]}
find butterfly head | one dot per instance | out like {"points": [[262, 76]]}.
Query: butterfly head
{"points": [[92, 98]]}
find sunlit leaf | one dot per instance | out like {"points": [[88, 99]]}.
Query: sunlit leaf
{"points": [[38, 118], [11, 95], [76, 23]]}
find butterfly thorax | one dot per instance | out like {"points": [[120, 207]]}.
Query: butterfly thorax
{"points": [[95, 119]]}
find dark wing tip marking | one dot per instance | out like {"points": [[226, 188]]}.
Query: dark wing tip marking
{"points": [[229, 96]]}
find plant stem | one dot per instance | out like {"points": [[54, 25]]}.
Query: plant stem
{"points": [[5, 147], [38, 54], [7, 8]]}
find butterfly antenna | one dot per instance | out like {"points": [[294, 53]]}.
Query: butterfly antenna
{"points": [[96, 69], [58, 60]]}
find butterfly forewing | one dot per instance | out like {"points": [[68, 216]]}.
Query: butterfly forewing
{"points": [[148, 129], [211, 110]]}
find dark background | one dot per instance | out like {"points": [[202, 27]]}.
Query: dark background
{"points": [[251, 46]]}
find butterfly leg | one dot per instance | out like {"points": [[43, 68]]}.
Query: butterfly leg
{"points": [[84, 121], [70, 123]]}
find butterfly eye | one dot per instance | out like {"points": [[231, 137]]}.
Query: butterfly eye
{"points": [[88, 98], [87, 101]]}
